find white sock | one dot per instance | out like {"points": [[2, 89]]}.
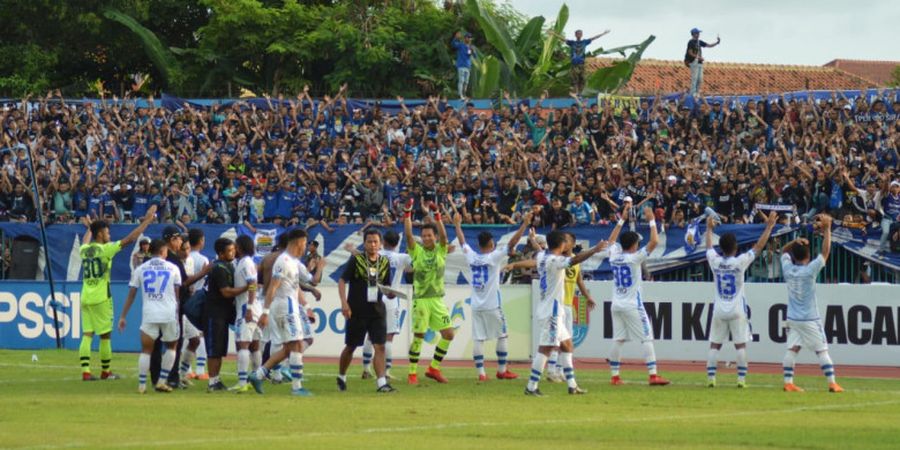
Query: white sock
{"points": [[201, 357], [502, 353], [296, 360], [614, 358], [741, 363], [276, 370], [213, 380], [565, 359], [343, 377], [826, 365], [143, 368], [243, 363], [712, 360], [381, 381], [537, 369], [478, 356], [649, 357], [165, 366], [187, 358], [789, 358], [368, 352], [553, 362], [256, 359], [388, 355]]}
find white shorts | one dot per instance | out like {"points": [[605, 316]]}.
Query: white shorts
{"points": [[168, 331], [392, 313], [738, 327], [289, 324], [489, 324], [553, 330], [809, 334], [189, 331], [631, 325], [247, 331], [570, 319]]}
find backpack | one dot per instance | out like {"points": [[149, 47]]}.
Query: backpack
{"points": [[193, 307]]}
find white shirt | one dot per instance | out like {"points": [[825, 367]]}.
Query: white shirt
{"points": [[158, 280], [485, 277], [399, 263], [729, 278], [244, 275], [552, 275], [801, 284], [627, 276], [200, 262]]}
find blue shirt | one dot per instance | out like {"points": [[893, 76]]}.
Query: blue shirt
{"points": [[285, 204], [463, 54], [801, 284], [577, 49], [582, 214], [271, 208]]}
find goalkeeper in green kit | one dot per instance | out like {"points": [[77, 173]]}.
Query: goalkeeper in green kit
{"points": [[428, 308], [96, 297]]}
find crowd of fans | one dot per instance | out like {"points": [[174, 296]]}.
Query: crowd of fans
{"points": [[298, 160]]}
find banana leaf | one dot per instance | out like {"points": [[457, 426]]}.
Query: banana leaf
{"points": [[546, 58], [164, 61], [611, 79], [497, 35]]}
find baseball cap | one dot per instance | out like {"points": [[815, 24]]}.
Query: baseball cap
{"points": [[144, 240], [895, 183], [170, 232], [695, 30]]}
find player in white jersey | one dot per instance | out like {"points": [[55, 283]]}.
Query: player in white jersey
{"points": [[248, 310], [550, 312], [289, 328], [803, 321], [730, 307], [488, 321], [629, 318], [158, 281], [194, 344]]}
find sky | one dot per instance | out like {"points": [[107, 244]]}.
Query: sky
{"points": [[807, 32]]}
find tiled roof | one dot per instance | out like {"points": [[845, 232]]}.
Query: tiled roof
{"points": [[652, 75], [878, 71]]}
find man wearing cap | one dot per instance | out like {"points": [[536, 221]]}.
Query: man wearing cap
{"points": [[464, 52], [693, 58]]}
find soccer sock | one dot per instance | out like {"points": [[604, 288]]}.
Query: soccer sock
{"points": [[552, 363], [143, 368], [201, 357], [243, 363], [650, 357], [165, 365], [537, 369], [565, 358], [296, 360], [439, 353], [414, 349], [388, 355], [614, 356], [381, 381], [256, 359], [826, 365], [741, 363], [262, 373], [276, 370], [187, 358], [789, 358], [105, 354], [478, 356], [712, 360], [84, 352], [502, 354], [368, 350]]}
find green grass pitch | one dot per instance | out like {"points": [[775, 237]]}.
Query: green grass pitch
{"points": [[44, 404]]}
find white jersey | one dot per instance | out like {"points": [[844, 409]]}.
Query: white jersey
{"points": [[399, 263], [158, 281], [626, 269], [200, 262], [801, 284], [729, 277], [485, 277], [552, 274], [245, 274]]}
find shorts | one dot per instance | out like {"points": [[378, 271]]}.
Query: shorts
{"points": [[553, 329], [188, 330], [166, 331], [489, 324], [392, 312], [738, 327], [357, 328], [247, 331], [577, 72], [216, 335], [429, 313], [809, 334], [97, 318], [631, 325], [570, 319]]}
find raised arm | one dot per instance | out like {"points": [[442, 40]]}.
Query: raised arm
{"points": [[614, 236], [407, 227], [825, 219], [770, 225], [583, 256], [654, 235], [526, 222], [442, 232], [710, 224], [598, 36], [457, 223], [135, 233]]}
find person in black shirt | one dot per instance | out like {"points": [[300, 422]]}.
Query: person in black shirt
{"points": [[363, 307], [693, 58], [556, 216], [219, 310]]}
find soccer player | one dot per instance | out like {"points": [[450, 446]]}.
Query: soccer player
{"points": [[278, 373], [488, 321], [194, 344], [428, 309], [550, 313], [158, 281], [284, 297], [730, 307], [364, 309], [629, 318], [247, 312], [96, 297], [803, 321]]}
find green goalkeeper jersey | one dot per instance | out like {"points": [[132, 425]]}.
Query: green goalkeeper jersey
{"points": [[428, 267], [96, 263]]}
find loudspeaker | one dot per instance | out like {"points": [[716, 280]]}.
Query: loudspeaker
{"points": [[24, 263]]}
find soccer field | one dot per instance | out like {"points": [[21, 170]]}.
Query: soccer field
{"points": [[45, 405]]}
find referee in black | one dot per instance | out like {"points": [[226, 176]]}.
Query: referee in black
{"points": [[363, 307]]}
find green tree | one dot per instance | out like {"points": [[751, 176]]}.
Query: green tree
{"points": [[895, 77]]}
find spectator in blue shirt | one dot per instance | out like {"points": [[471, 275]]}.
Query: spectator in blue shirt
{"points": [[582, 213], [464, 52], [578, 49]]}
